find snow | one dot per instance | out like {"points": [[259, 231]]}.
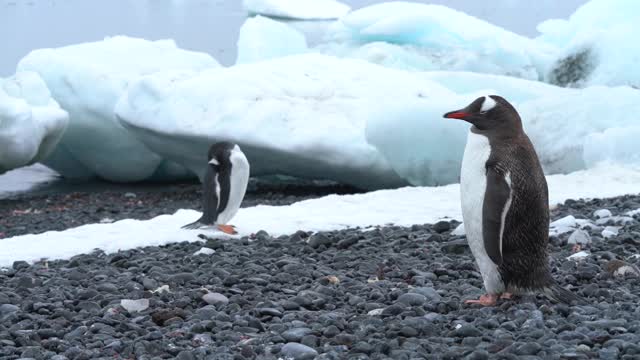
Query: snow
{"points": [[602, 213], [87, 79], [414, 36], [31, 122], [262, 38], [25, 179], [598, 44], [298, 9], [404, 207]]}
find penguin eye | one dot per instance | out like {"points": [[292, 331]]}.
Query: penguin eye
{"points": [[483, 112]]}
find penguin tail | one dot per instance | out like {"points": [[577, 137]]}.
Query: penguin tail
{"points": [[559, 294], [194, 225]]}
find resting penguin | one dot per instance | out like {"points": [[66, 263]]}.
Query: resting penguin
{"points": [[224, 186], [505, 206]]}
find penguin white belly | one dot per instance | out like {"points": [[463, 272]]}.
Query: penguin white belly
{"points": [[473, 184], [238, 185]]}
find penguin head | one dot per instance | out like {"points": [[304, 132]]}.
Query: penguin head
{"points": [[491, 112], [219, 153]]}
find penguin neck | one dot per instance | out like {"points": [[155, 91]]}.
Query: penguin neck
{"points": [[502, 133]]}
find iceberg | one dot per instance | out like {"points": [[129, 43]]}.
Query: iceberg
{"points": [[87, 80], [31, 122], [414, 36], [347, 120], [262, 38], [302, 115], [598, 42], [298, 9]]}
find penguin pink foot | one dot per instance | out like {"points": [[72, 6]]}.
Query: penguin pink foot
{"points": [[484, 300], [227, 229]]}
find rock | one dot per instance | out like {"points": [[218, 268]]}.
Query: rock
{"points": [[621, 268], [296, 334], [19, 265], [579, 236], [6, 309], [441, 226], [318, 239], [412, 299], [204, 251], [214, 298], [430, 293], [455, 246], [298, 351], [135, 305], [467, 330]]}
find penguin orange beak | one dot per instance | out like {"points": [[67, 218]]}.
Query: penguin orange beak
{"points": [[457, 115]]}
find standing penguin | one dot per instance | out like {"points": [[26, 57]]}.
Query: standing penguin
{"points": [[224, 186], [505, 205]]}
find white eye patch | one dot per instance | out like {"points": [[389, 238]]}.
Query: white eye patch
{"points": [[488, 104], [214, 162]]}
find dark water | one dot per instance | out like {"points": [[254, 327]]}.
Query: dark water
{"points": [[204, 25]]}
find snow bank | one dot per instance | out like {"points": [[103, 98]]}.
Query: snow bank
{"points": [[302, 115], [414, 36], [298, 9], [31, 122], [262, 38], [599, 44], [403, 207], [87, 80]]}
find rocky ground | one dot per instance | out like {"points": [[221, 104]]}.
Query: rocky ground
{"points": [[61, 210], [390, 293]]}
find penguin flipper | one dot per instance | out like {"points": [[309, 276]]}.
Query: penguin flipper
{"points": [[497, 201]]}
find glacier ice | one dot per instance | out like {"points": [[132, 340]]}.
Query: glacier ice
{"points": [[302, 115], [262, 38], [347, 120], [599, 44], [298, 9], [87, 79], [31, 122], [414, 36]]}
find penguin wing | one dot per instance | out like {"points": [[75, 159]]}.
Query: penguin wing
{"points": [[497, 201], [224, 182], [210, 189]]}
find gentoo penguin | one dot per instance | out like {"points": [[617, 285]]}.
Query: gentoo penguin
{"points": [[505, 206], [224, 186]]}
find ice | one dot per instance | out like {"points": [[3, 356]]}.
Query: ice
{"points": [[298, 9], [262, 38], [302, 115], [602, 213], [347, 120], [579, 236], [31, 122], [579, 256], [403, 207], [414, 36], [610, 231], [87, 79], [598, 42]]}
